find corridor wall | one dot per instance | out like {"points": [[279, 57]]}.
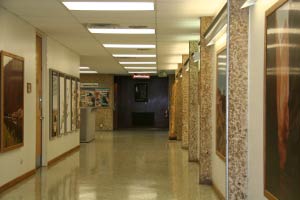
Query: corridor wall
{"points": [[19, 37], [256, 99]]}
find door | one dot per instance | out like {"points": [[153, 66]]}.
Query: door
{"points": [[39, 93]]}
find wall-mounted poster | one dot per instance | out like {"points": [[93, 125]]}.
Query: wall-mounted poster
{"points": [[282, 102], [74, 104], [12, 108], [87, 97], [141, 92], [102, 97], [62, 107], [78, 105], [221, 104], [54, 104], [68, 104]]}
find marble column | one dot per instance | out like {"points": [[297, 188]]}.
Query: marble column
{"points": [[237, 100], [172, 98], [193, 104], [185, 104], [178, 105], [205, 81]]}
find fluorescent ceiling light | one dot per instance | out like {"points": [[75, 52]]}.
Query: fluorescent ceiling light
{"points": [[88, 72], [109, 6], [134, 55], [222, 64], [130, 46], [137, 63], [143, 72], [122, 30], [84, 68], [140, 67]]}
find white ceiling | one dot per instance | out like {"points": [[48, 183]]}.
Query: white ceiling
{"points": [[176, 22]]}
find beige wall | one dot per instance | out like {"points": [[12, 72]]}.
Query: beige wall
{"points": [[64, 60], [256, 101], [18, 37], [104, 116]]}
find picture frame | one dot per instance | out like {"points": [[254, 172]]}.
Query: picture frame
{"points": [[281, 110], [141, 92], [54, 104], [74, 103], [68, 104], [12, 109], [62, 104], [78, 104], [221, 88]]}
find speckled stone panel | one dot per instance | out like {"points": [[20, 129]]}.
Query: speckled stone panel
{"points": [[193, 105], [172, 107], [185, 104], [178, 105], [104, 116], [238, 100], [205, 81]]}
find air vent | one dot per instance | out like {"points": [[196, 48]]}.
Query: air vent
{"points": [[137, 27]]}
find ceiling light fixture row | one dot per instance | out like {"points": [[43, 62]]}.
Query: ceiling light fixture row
{"points": [[110, 6]]}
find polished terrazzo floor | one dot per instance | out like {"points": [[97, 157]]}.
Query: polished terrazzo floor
{"points": [[125, 165]]}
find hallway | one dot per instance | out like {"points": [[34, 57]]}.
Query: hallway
{"points": [[120, 165]]}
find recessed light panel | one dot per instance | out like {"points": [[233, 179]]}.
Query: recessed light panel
{"points": [[121, 31], [134, 55], [88, 72], [137, 63], [130, 46], [142, 72], [140, 68], [110, 6]]}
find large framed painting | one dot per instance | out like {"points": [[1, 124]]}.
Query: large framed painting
{"points": [[221, 103], [68, 104], [141, 92], [282, 101], [62, 107], [54, 104], [74, 104], [12, 105], [78, 104], [102, 97]]}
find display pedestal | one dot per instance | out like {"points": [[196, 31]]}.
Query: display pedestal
{"points": [[87, 124]]}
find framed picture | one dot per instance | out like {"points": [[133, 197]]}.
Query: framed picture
{"points": [[221, 103], [141, 92], [74, 104], [12, 105], [78, 104], [54, 104], [282, 101], [62, 107], [68, 104], [102, 97]]}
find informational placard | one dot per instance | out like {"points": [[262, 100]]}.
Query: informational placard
{"points": [[102, 97]]}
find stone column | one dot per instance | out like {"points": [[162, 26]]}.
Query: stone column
{"points": [[178, 106], [193, 104], [205, 81], [237, 100], [185, 104], [172, 98]]}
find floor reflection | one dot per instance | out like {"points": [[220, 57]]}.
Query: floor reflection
{"points": [[118, 166]]}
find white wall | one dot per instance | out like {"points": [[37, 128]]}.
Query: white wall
{"points": [[218, 165], [18, 38], [256, 84], [62, 59]]}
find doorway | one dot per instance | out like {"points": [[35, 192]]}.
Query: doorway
{"points": [[39, 93]]}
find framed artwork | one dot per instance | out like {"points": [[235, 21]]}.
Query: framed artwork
{"points": [[62, 107], [141, 92], [282, 101], [68, 104], [12, 105], [102, 97], [87, 97], [221, 103], [78, 104], [54, 104], [74, 104]]}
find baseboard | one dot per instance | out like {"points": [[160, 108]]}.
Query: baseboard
{"points": [[16, 180], [62, 156], [218, 192]]}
